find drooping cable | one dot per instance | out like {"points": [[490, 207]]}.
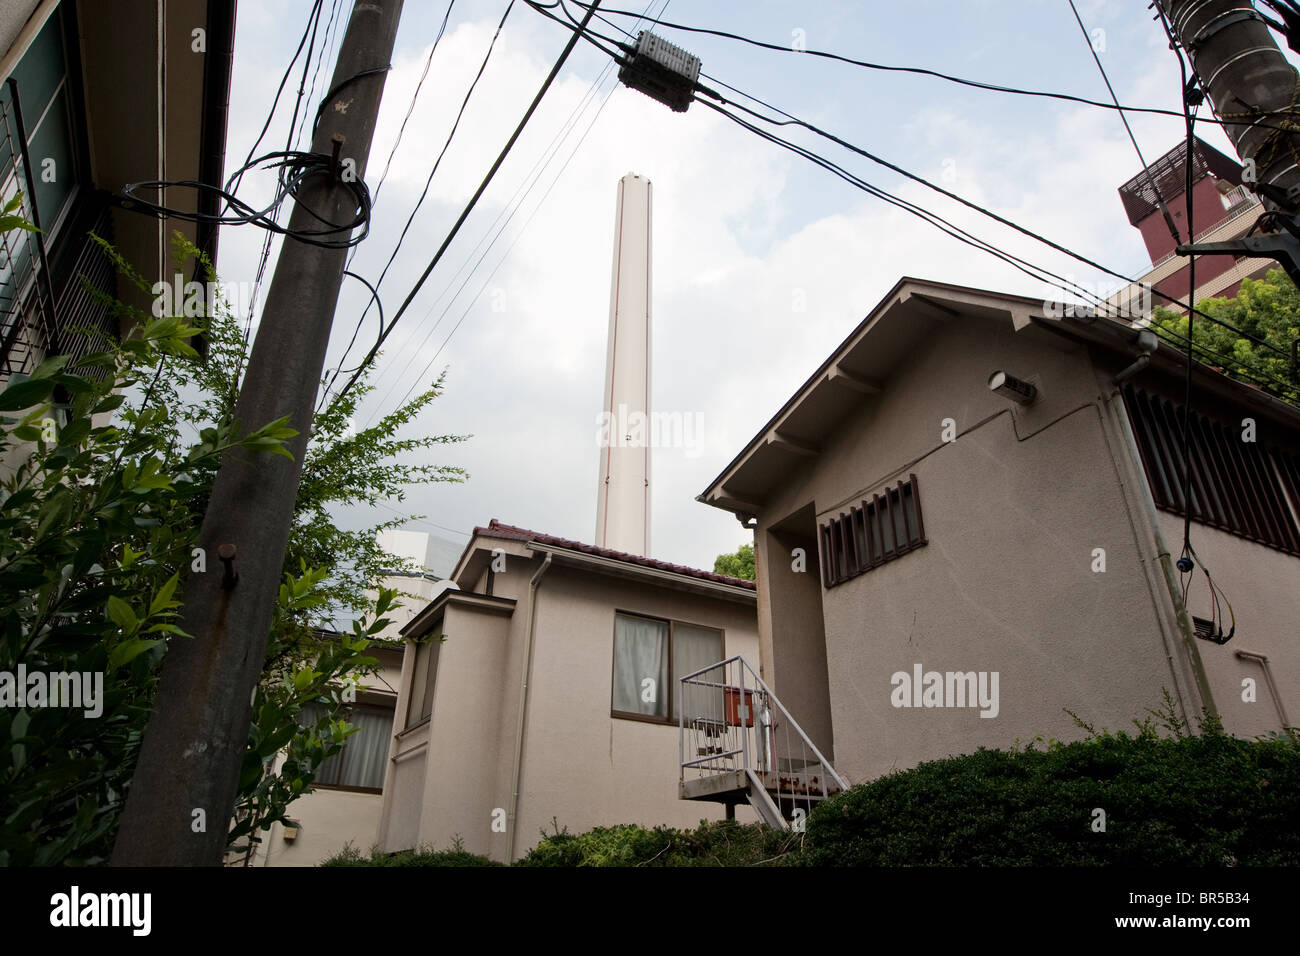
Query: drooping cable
{"points": [[469, 207], [882, 67], [428, 181], [1151, 181], [1185, 563]]}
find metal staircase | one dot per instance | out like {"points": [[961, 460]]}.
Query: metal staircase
{"points": [[738, 744]]}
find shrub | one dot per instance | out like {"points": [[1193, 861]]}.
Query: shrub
{"points": [[716, 843], [1209, 800], [424, 855]]}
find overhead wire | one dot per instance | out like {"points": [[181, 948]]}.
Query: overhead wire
{"points": [[1021, 264], [268, 239], [889, 68], [1151, 181], [469, 207], [1002, 220], [427, 183], [502, 221], [1185, 561], [506, 256], [547, 156]]}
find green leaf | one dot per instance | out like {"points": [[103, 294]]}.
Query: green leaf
{"points": [[108, 404], [49, 367], [25, 394], [120, 613], [128, 651], [163, 599]]}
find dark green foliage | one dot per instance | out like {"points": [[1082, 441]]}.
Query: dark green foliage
{"points": [[455, 855], [1209, 800], [1266, 309], [720, 843], [99, 524]]}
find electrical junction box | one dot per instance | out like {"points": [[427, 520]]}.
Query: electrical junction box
{"points": [[661, 71]]}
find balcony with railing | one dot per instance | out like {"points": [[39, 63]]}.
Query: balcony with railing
{"points": [[55, 283], [739, 744]]}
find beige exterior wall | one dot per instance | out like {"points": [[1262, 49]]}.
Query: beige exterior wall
{"points": [[628, 770], [451, 776], [1012, 511], [1262, 585], [330, 819]]}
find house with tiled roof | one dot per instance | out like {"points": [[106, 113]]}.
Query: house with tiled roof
{"points": [[543, 688]]}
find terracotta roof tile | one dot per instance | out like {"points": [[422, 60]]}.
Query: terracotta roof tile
{"points": [[497, 529]]}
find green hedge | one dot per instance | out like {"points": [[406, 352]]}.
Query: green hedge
{"points": [[720, 843], [1210, 800], [423, 856]]}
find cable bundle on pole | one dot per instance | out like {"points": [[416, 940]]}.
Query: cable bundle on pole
{"points": [[294, 167]]}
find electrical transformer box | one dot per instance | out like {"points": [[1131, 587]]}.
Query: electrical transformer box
{"points": [[662, 71]]}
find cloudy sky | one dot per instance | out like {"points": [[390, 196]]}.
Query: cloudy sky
{"points": [[763, 262]]}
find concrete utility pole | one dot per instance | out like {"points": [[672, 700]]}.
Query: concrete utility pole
{"points": [[182, 796], [1246, 78]]}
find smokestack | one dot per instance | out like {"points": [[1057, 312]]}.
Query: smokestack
{"points": [[623, 500]]}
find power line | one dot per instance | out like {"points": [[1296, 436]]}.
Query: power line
{"points": [[501, 262], [427, 183], [1002, 220], [503, 219], [410, 108], [1155, 187], [882, 67], [941, 223], [531, 180], [469, 207]]}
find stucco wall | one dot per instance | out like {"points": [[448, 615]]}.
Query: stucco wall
{"points": [[583, 767], [329, 820], [1013, 509], [332, 818], [466, 731], [1264, 588]]}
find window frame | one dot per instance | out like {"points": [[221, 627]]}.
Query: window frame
{"points": [[1251, 493], [431, 657], [882, 528], [671, 719], [390, 709]]}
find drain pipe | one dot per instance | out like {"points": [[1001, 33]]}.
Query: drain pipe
{"points": [[526, 673], [1148, 343], [1183, 622]]}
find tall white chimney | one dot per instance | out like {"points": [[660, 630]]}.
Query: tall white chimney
{"points": [[623, 502]]}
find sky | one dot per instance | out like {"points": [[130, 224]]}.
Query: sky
{"points": [[762, 262]]}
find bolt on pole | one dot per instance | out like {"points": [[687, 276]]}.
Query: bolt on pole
{"points": [[182, 796]]}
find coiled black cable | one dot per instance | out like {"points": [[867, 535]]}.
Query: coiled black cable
{"points": [[294, 168]]}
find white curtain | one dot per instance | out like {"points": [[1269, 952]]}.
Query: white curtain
{"points": [[640, 666], [693, 648], [365, 753]]}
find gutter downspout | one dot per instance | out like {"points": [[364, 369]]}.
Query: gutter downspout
{"points": [[526, 673], [1182, 618]]}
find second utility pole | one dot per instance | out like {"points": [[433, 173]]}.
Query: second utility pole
{"points": [[182, 795], [1248, 80]]}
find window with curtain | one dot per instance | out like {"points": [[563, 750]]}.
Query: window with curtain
{"points": [[360, 764], [646, 652]]}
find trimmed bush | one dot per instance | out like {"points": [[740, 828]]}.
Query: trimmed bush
{"points": [[1210, 800], [717, 843], [455, 855]]}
